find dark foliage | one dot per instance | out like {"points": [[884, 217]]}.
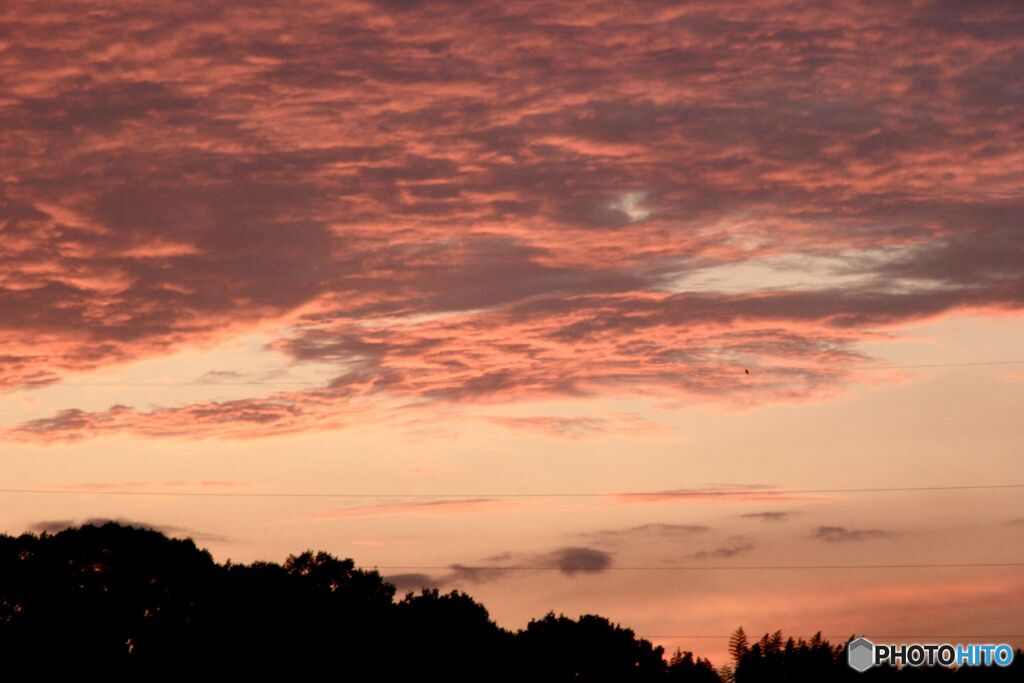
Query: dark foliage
{"points": [[775, 659], [591, 649], [119, 600]]}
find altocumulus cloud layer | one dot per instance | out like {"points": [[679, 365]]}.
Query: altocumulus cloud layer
{"points": [[486, 201]]}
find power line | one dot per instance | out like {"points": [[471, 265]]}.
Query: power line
{"points": [[720, 567], [682, 493]]}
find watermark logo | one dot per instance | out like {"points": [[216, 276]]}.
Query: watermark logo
{"points": [[862, 654]]}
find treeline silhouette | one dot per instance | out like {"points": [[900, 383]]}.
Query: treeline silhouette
{"points": [[116, 599]]}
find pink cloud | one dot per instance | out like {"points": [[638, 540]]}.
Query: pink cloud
{"points": [[736, 495], [576, 426], [448, 222]]}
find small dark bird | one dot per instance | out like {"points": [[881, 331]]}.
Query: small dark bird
{"points": [[747, 371]]}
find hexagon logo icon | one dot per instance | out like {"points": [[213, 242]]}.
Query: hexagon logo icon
{"points": [[860, 654]]}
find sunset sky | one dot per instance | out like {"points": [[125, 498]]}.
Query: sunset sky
{"points": [[712, 264]]}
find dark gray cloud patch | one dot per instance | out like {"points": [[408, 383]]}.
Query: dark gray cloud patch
{"points": [[770, 516], [578, 559], [840, 534], [412, 581], [470, 574], [722, 552], [568, 560]]}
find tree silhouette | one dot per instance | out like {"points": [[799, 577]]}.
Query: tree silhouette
{"points": [[450, 632], [128, 601], [590, 650], [773, 659], [683, 667], [738, 646]]}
